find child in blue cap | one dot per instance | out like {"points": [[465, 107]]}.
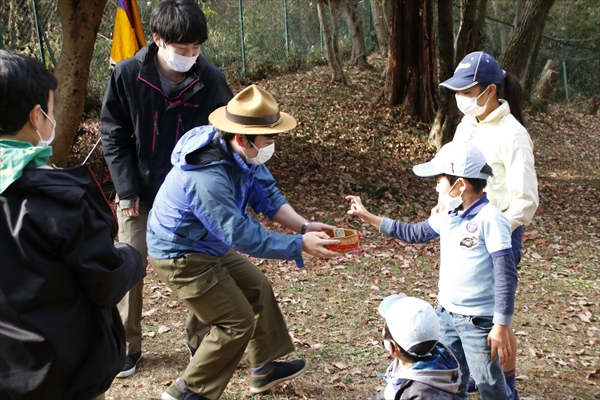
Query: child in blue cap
{"points": [[492, 101], [478, 276]]}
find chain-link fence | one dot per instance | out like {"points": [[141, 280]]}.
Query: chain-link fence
{"points": [[253, 38], [577, 65], [247, 39]]}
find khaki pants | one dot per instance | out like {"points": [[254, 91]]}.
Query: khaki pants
{"points": [[235, 298], [132, 230]]}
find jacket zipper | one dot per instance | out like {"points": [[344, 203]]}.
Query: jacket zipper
{"points": [[155, 133], [179, 125]]}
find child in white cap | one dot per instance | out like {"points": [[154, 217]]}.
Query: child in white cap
{"points": [[422, 368], [478, 276]]}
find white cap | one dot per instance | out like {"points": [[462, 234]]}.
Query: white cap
{"points": [[410, 320], [460, 159]]}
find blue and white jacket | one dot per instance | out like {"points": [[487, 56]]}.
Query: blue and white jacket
{"points": [[202, 205]]}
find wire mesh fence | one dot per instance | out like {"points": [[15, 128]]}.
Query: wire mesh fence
{"points": [[250, 39]]}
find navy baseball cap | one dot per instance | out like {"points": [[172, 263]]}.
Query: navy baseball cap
{"points": [[475, 68]]}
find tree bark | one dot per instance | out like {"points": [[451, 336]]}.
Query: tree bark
{"points": [[380, 23], [465, 39], [540, 96], [446, 118], [411, 78], [348, 10], [517, 56], [333, 59], [502, 32], [80, 22]]}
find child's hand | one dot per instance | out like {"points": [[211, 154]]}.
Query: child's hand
{"points": [[499, 341], [356, 207]]}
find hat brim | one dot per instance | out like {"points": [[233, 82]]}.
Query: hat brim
{"points": [[387, 303], [219, 119], [427, 169], [458, 84]]}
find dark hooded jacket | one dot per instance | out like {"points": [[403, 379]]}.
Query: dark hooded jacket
{"points": [[141, 124], [436, 377], [61, 276]]}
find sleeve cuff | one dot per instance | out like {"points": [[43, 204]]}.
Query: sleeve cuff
{"points": [[502, 319], [386, 226], [126, 203]]}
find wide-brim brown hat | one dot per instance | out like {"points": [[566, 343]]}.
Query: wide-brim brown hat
{"points": [[253, 111]]}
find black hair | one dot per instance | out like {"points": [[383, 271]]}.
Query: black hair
{"points": [[510, 90], [419, 351], [24, 83], [179, 21], [477, 183], [251, 138]]}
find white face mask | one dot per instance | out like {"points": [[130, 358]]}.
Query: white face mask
{"points": [[468, 105], [42, 142], [451, 203], [176, 61], [264, 154]]}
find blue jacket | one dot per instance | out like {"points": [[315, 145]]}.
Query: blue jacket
{"points": [[202, 205]]}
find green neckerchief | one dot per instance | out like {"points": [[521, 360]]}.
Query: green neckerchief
{"points": [[15, 156]]}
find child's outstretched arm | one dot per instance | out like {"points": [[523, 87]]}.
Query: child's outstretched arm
{"points": [[410, 233], [357, 208]]}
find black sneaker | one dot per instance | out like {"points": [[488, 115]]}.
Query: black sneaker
{"points": [[130, 363], [281, 371]]}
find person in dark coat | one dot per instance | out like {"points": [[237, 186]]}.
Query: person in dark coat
{"points": [[61, 274], [151, 101]]}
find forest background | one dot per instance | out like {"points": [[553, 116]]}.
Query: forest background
{"points": [[349, 141]]}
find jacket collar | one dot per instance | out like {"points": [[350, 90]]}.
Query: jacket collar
{"points": [[498, 113], [146, 58], [473, 208]]}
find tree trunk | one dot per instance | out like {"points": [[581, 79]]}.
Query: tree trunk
{"points": [[519, 13], [380, 23], [518, 55], [348, 10], [80, 22], [502, 31], [479, 36], [465, 40], [333, 59], [540, 96], [446, 118], [411, 78]]}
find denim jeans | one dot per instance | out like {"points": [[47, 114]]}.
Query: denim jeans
{"points": [[467, 336]]}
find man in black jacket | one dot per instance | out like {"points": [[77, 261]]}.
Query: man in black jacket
{"points": [[152, 99], [61, 275]]}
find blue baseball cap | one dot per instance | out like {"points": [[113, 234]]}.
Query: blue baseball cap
{"points": [[475, 68]]}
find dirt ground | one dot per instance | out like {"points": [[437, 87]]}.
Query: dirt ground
{"points": [[348, 143]]}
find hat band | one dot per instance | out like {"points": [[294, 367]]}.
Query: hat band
{"points": [[252, 121]]}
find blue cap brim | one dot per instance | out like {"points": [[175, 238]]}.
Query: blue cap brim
{"points": [[386, 303], [427, 169], [458, 84]]}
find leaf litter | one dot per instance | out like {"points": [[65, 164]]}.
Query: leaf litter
{"points": [[348, 142]]}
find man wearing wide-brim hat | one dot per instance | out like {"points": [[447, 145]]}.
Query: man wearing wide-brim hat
{"points": [[199, 223]]}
